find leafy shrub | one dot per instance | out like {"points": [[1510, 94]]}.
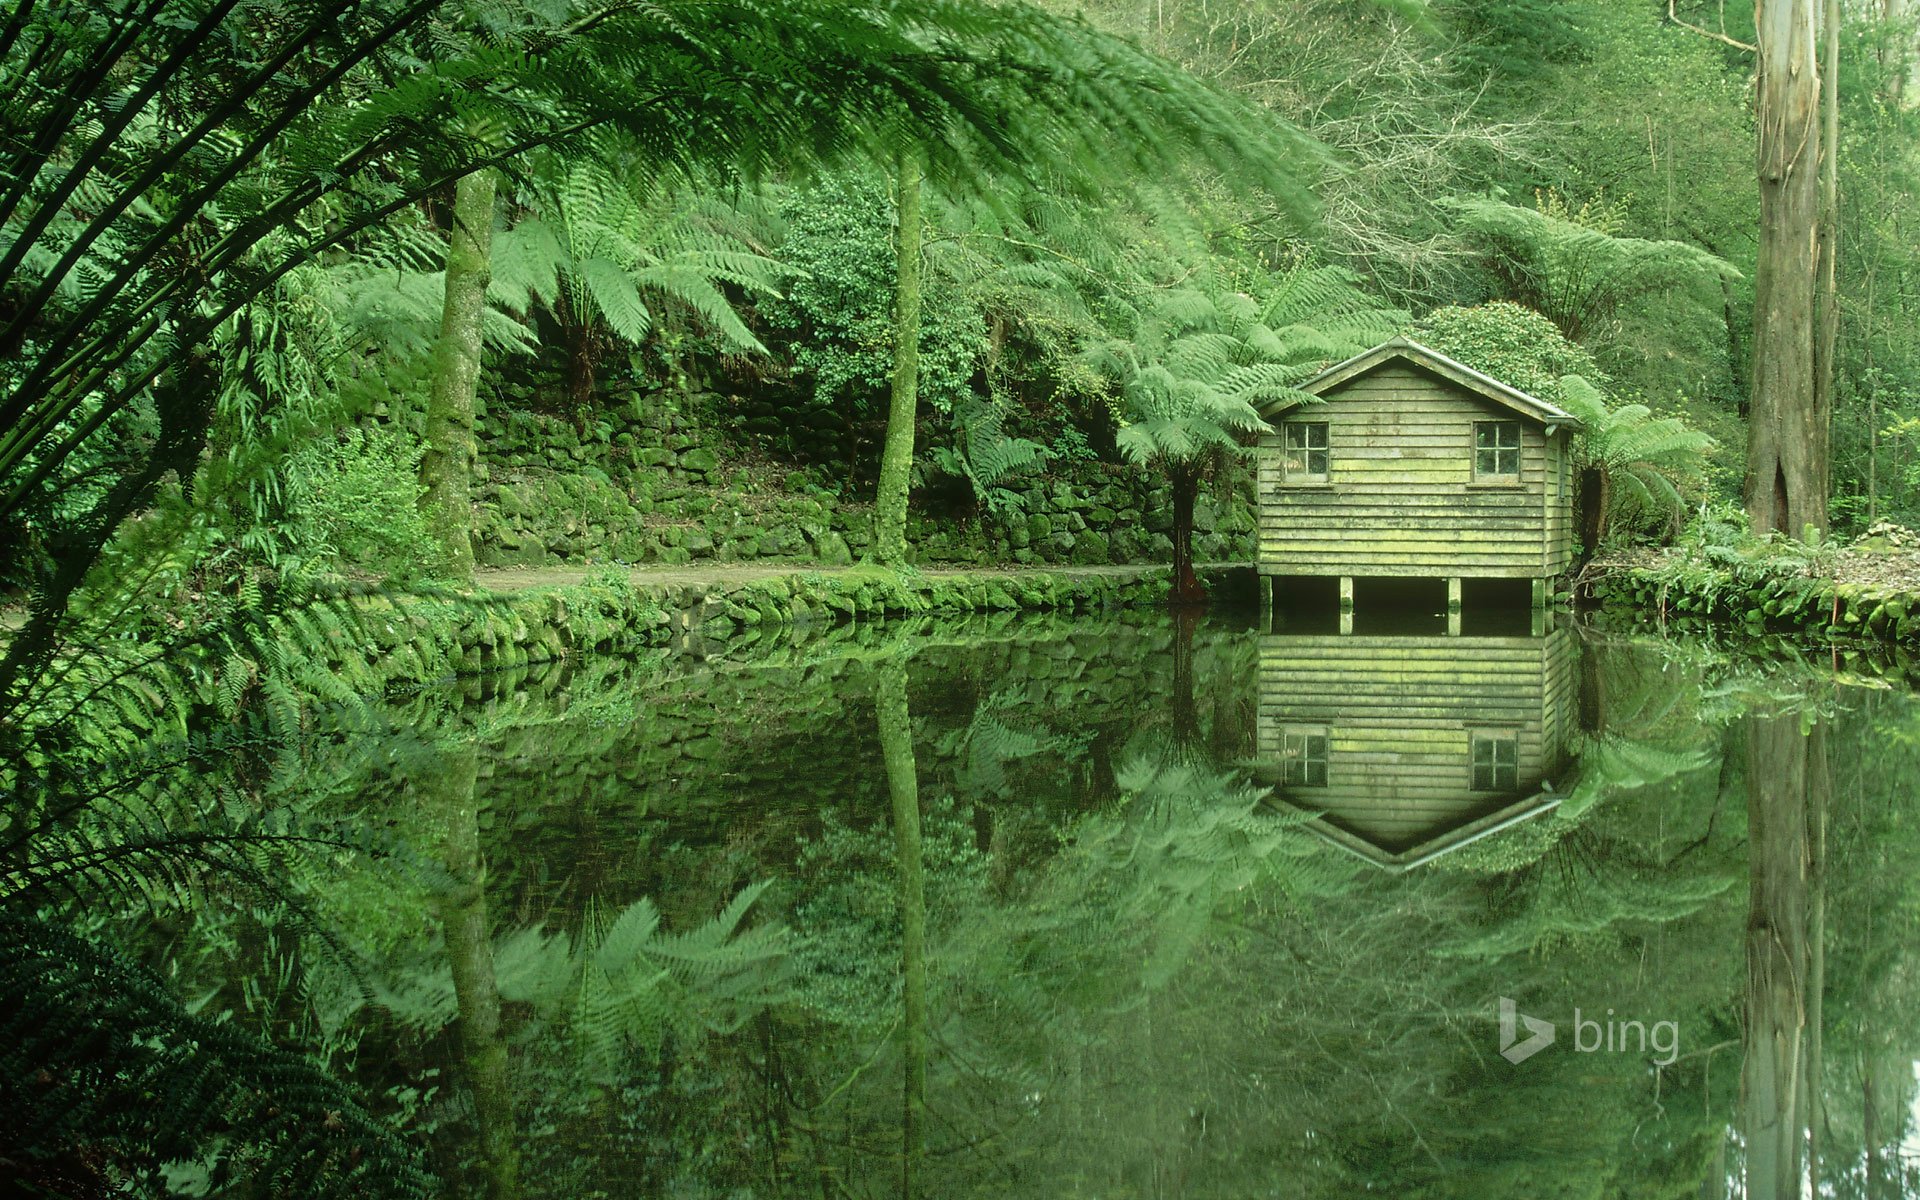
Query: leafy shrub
{"points": [[355, 502], [1512, 343], [838, 314]]}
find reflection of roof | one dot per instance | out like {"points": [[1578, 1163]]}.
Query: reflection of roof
{"points": [[1402, 349], [1518, 809]]}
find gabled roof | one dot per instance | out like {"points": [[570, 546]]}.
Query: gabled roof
{"points": [[1406, 350], [1521, 808]]}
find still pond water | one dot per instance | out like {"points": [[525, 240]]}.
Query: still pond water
{"points": [[1127, 907]]}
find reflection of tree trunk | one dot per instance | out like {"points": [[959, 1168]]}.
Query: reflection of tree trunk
{"points": [[448, 788], [1819, 792], [1186, 713], [896, 748], [1869, 1126], [1778, 762]]}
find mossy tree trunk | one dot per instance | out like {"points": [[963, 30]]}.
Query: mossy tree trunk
{"points": [[896, 458], [448, 788], [903, 787], [446, 470], [1787, 444]]}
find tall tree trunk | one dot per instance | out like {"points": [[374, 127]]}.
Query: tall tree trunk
{"points": [[1185, 479], [1778, 764], [446, 470], [903, 787], [448, 789], [896, 459], [1787, 451], [1827, 251]]}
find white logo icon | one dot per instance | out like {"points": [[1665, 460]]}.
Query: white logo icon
{"points": [[1542, 1032]]}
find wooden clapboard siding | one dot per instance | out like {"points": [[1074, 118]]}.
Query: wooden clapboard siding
{"points": [[1401, 498], [1400, 715]]}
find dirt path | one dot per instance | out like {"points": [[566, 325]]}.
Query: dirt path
{"points": [[519, 579]]}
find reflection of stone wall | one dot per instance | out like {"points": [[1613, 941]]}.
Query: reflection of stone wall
{"points": [[415, 639], [650, 487], [746, 752]]}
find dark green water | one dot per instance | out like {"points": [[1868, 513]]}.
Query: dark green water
{"points": [[1202, 911]]}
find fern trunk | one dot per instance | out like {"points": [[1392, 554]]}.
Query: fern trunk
{"points": [[446, 470], [903, 786], [896, 459], [1787, 456], [449, 790], [1594, 496], [1186, 490]]}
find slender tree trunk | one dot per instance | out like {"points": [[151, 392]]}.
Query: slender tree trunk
{"points": [[446, 470], [1185, 479], [903, 786], [1787, 450], [896, 459], [1771, 1088], [1827, 250], [449, 789]]}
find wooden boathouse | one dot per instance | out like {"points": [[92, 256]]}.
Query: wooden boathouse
{"points": [[1414, 466]]}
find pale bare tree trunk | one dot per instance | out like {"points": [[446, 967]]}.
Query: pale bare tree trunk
{"points": [[1787, 449], [896, 458], [446, 471]]}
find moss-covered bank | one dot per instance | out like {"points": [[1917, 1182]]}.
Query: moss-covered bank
{"points": [[1840, 594]]}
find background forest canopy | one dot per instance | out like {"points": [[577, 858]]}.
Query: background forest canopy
{"points": [[255, 302]]}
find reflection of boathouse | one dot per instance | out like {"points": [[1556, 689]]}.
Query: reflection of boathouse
{"points": [[1407, 747]]}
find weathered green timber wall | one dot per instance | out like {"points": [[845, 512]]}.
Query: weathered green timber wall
{"points": [[1401, 498]]}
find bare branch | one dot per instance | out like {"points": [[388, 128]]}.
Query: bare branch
{"points": [[1721, 36]]}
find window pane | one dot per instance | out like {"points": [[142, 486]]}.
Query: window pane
{"points": [[1496, 448], [1316, 462], [1495, 762]]}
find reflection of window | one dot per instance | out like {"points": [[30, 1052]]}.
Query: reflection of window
{"points": [[1496, 449], [1303, 753], [1306, 457], [1496, 762]]}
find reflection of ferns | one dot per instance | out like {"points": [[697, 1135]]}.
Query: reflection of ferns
{"points": [[103, 1075], [989, 744], [625, 982]]}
